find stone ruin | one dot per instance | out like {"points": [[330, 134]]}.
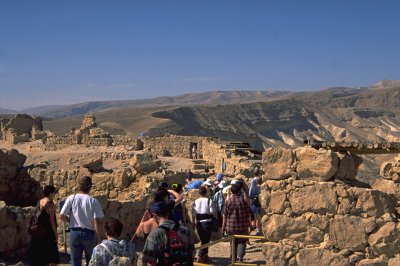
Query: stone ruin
{"points": [[317, 214], [21, 128]]}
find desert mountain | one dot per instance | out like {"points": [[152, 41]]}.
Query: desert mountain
{"points": [[7, 111], [279, 118]]}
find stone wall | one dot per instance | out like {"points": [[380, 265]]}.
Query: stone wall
{"points": [[312, 217], [121, 140], [215, 153], [21, 124], [177, 146], [91, 141]]}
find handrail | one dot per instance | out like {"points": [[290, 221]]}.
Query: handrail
{"points": [[232, 238]]}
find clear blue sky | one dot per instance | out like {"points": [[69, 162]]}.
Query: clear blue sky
{"points": [[61, 52]]}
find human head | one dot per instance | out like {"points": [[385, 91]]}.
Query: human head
{"points": [[161, 195], [113, 227], [160, 209], [235, 189], [85, 184], [203, 191], [47, 190], [177, 187], [259, 180], [219, 176]]}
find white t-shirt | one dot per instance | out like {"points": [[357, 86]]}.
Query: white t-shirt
{"points": [[84, 209], [203, 206]]}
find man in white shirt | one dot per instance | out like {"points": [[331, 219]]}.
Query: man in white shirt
{"points": [[84, 215]]}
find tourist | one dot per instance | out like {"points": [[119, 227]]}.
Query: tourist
{"points": [[113, 246], [202, 212], [146, 225], [84, 215], [156, 248], [237, 220], [179, 212], [254, 194], [219, 201], [43, 250], [195, 184], [188, 176]]}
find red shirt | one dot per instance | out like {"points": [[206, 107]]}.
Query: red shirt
{"points": [[237, 215]]}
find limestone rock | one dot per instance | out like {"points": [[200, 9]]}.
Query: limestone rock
{"points": [[375, 203], [279, 227], [345, 207], [348, 166], [319, 256], [277, 163], [316, 164], [373, 262], [387, 186], [277, 254], [145, 163], [122, 178], [394, 261], [93, 162], [347, 232], [277, 201], [319, 198], [386, 240]]}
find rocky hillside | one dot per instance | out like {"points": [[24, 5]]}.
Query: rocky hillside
{"points": [[341, 114]]}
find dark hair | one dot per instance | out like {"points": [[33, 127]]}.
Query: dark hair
{"points": [[47, 190], [163, 185], [235, 189], [177, 187], [85, 184], [160, 195], [113, 227], [160, 209], [203, 191]]}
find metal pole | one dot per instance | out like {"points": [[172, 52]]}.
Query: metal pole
{"points": [[64, 238], [233, 250]]}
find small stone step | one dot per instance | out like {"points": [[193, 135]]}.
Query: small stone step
{"points": [[198, 161], [199, 166]]}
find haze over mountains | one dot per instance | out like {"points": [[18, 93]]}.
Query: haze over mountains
{"points": [[260, 117]]}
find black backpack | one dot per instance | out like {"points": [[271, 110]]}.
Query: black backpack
{"points": [[176, 253]]}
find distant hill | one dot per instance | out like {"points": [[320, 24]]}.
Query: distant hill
{"points": [[7, 111], [262, 118], [191, 99]]}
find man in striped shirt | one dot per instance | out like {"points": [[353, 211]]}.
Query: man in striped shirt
{"points": [[237, 220]]}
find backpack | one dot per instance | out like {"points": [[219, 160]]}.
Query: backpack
{"points": [[37, 227], [176, 253], [116, 259]]}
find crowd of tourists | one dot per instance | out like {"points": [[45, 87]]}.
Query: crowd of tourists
{"points": [[231, 207]]}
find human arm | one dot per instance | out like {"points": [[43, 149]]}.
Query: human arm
{"points": [[178, 197], [98, 228], [65, 211]]}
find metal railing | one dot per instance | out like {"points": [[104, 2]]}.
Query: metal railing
{"points": [[233, 250]]}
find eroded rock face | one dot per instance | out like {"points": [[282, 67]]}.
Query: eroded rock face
{"points": [[319, 256], [277, 254], [93, 162], [386, 240], [348, 232], [277, 163], [320, 198], [375, 203], [316, 164]]}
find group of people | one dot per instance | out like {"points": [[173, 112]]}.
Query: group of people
{"points": [[165, 226]]}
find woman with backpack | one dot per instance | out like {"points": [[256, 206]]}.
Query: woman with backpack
{"points": [[202, 213], [43, 249]]}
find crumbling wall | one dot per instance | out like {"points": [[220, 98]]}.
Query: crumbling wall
{"points": [[223, 161], [312, 217], [178, 146], [21, 124]]}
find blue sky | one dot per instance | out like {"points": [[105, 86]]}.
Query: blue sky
{"points": [[61, 52]]}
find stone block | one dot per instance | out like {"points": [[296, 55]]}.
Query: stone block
{"points": [[316, 164], [386, 240], [319, 256], [347, 232], [277, 163], [318, 198], [375, 203], [277, 201]]}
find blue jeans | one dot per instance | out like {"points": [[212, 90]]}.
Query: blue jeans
{"points": [[81, 240], [204, 229]]}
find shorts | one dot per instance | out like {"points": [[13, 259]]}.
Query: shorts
{"points": [[256, 210]]}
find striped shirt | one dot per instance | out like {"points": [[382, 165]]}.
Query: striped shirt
{"points": [[237, 215]]}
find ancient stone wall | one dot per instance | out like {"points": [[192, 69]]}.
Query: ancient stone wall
{"points": [[178, 146], [121, 140], [312, 217], [90, 141], [230, 164], [21, 124]]}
